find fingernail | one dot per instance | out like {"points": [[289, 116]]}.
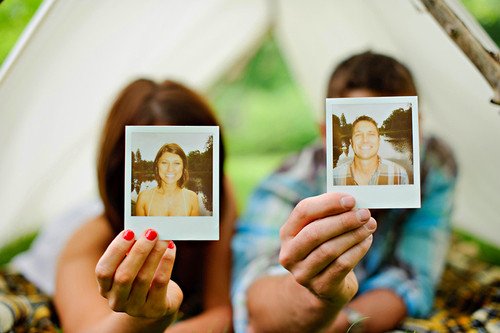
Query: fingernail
{"points": [[371, 225], [369, 239], [363, 215], [347, 202], [151, 234], [171, 245], [128, 235]]}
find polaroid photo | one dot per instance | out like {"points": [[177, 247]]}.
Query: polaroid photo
{"points": [[172, 181], [372, 150]]}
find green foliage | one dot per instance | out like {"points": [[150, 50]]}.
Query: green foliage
{"points": [[10, 250], [263, 110], [14, 15], [487, 12]]}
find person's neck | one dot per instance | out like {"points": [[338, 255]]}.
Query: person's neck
{"points": [[169, 189], [364, 169]]}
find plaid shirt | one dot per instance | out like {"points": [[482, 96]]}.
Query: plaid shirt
{"points": [[391, 262], [387, 173]]}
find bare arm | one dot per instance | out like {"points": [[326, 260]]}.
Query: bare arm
{"points": [[77, 289], [379, 318], [195, 204], [140, 206], [322, 241]]}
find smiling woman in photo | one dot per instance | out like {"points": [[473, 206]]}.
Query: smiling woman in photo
{"points": [[169, 197]]}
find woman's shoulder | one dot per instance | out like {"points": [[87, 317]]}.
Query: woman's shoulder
{"points": [[190, 194], [146, 194], [95, 234]]}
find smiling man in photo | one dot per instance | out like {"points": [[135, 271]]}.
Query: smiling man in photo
{"points": [[367, 168]]}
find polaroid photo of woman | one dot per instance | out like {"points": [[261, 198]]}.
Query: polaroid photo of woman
{"points": [[173, 172]]}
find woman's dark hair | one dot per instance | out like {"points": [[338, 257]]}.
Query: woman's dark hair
{"points": [[379, 73], [143, 102], [173, 148]]}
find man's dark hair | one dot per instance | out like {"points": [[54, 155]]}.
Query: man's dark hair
{"points": [[363, 118], [378, 73]]}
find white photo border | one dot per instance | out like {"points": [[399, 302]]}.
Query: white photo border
{"points": [[174, 227], [373, 196]]}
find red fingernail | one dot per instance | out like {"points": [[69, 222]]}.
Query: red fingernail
{"points": [[128, 235], [171, 245], [151, 234]]}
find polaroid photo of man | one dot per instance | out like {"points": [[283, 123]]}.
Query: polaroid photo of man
{"points": [[172, 181], [373, 150]]}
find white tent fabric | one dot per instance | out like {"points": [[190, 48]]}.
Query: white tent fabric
{"points": [[73, 58]]}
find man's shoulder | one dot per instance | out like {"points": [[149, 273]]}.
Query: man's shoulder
{"points": [[300, 175], [312, 155], [438, 154]]}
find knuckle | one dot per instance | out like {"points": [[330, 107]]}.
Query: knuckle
{"points": [[342, 264], [142, 279], [346, 221], [284, 258], [301, 278], [122, 278], [101, 273], [301, 209], [321, 253], [283, 233], [159, 248], [141, 250], [365, 245], [161, 280], [115, 305], [311, 234], [168, 258]]}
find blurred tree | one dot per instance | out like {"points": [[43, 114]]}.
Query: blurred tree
{"points": [[399, 120], [487, 13], [138, 155]]}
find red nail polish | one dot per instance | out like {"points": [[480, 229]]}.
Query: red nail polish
{"points": [[151, 234], [171, 245], [128, 235]]}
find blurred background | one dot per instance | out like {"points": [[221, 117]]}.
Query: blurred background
{"points": [[243, 98]]}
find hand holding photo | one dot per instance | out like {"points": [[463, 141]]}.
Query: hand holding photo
{"points": [[173, 172], [374, 141]]}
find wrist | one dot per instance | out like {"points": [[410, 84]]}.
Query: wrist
{"points": [[355, 319]]}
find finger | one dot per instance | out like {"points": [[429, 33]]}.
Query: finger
{"points": [[328, 252], [127, 271], [332, 277], [159, 285], [314, 208], [320, 231], [112, 257], [142, 282]]}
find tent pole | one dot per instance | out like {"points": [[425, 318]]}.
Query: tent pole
{"points": [[485, 61]]}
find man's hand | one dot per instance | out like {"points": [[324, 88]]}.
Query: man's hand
{"points": [[322, 241]]}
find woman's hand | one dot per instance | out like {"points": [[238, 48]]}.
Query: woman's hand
{"points": [[135, 276]]}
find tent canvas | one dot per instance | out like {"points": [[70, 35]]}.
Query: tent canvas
{"points": [[73, 58]]}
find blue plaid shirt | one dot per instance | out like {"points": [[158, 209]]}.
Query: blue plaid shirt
{"points": [[409, 246]]}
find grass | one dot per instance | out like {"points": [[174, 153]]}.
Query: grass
{"points": [[10, 250], [487, 252]]}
